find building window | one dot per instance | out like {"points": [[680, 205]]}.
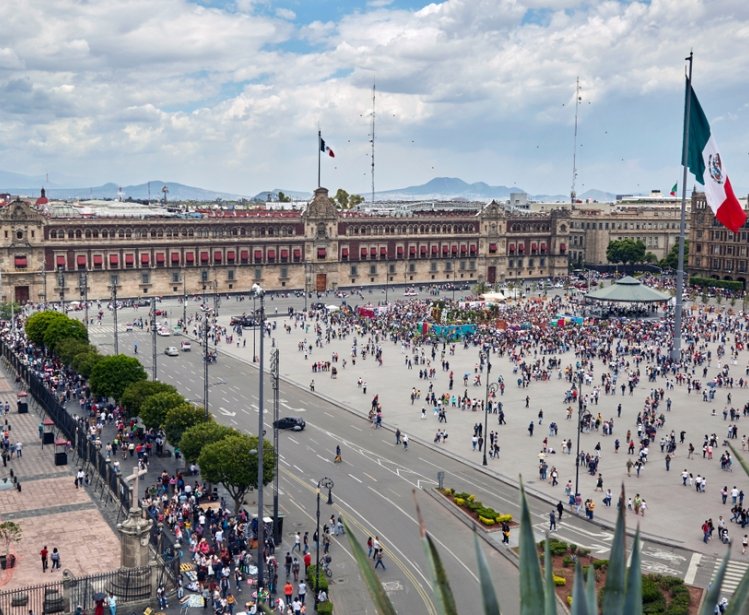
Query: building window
{"points": [[258, 273], [145, 277], [462, 265], [230, 275], [176, 278], [448, 266], [391, 268], [433, 267], [354, 271], [373, 270], [412, 267], [284, 272]]}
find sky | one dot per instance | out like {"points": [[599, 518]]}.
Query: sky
{"points": [[229, 94]]}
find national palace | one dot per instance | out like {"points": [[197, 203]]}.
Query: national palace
{"points": [[48, 255]]}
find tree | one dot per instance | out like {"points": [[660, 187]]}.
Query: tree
{"points": [[180, 418], [625, 251], [84, 362], [232, 462], [355, 200], [672, 258], [8, 310], [11, 532], [64, 329], [283, 198], [341, 199], [650, 258], [197, 437], [154, 408], [37, 324], [67, 349], [111, 375], [137, 392]]}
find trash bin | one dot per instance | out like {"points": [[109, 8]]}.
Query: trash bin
{"points": [[23, 407], [48, 437], [61, 459]]}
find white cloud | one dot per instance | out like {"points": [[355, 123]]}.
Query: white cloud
{"points": [[232, 98]]}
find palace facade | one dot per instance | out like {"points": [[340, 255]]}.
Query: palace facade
{"points": [[714, 251], [46, 258]]}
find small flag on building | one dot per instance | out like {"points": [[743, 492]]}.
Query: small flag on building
{"points": [[705, 161], [674, 189], [324, 148]]}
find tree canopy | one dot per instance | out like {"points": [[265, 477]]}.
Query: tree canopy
{"points": [[64, 329], [344, 200], [111, 375], [68, 349], [625, 251], [36, 324], [195, 438], [155, 407], [137, 392], [180, 418], [672, 258], [232, 462]]}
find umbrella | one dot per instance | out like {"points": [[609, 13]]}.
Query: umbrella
{"points": [[99, 596]]}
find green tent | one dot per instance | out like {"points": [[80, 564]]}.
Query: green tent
{"points": [[628, 290]]}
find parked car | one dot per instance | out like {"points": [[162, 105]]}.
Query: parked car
{"points": [[294, 423], [185, 346], [163, 332], [244, 321], [171, 351]]}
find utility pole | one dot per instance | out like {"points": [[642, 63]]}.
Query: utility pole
{"points": [[153, 338], [206, 357], [61, 285], [184, 302], [83, 285], [258, 292], [274, 365], [573, 194], [114, 308]]}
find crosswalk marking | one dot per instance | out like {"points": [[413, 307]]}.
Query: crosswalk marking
{"points": [[734, 573]]}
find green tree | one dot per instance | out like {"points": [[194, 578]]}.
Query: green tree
{"points": [[650, 258], [84, 362], [67, 349], [672, 258], [154, 408], [283, 198], [341, 199], [137, 392], [232, 462], [8, 310], [61, 330], [37, 324], [195, 438], [355, 200], [111, 375], [625, 251], [180, 418]]}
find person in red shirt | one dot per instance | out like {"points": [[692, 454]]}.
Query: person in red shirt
{"points": [[288, 591], [307, 560], [44, 554]]}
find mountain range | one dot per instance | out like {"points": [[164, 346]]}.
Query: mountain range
{"points": [[438, 188]]}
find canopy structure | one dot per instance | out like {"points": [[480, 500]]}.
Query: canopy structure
{"points": [[628, 290], [493, 297]]}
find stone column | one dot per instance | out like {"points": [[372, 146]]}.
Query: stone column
{"points": [[134, 537]]}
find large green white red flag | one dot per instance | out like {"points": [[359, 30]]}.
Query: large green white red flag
{"points": [[705, 161]]}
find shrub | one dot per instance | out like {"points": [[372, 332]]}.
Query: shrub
{"points": [[601, 563], [448, 491], [471, 498], [557, 547], [583, 552], [486, 520], [569, 600], [324, 608], [503, 518], [566, 561], [312, 579], [559, 581], [459, 501], [573, 548]]}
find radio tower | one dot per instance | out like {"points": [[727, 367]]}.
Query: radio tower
{"points": [[373, 141], [573, 194]]}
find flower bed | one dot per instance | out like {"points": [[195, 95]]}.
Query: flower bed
{"points": [[486, 516]]}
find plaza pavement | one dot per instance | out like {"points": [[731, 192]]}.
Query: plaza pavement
{"points": [[49, 508], [675, 513]]}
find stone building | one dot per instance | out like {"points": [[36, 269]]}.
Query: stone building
{"points": [[594, 227], [714, 251], [47, 257]]}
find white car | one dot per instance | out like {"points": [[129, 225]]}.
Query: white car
{"points": [[171, 351], [185, 346], [163, 332], [410, 293]]}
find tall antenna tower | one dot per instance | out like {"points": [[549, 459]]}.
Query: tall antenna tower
{"points": [[573, 194], [373, 140]]}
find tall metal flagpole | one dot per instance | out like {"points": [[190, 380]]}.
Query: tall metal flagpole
{"points": [[319, 142], [676, 340]]}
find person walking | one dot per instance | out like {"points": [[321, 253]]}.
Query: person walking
{"points": [[55, 559], [112, 603], [397, 436], [552, 521], [44, 554], [560, 510], [378, 559], [405, 441]]}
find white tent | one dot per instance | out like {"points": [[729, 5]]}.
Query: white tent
{"points": [[332, 308], [494, 297]]}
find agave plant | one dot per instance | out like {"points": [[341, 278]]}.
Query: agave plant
{"points": [[622, 591]]}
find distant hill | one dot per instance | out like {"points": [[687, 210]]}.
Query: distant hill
{"points": [[448, 188], [272, 195]]}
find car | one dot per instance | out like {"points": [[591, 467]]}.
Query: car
{"points": [[129, 326], [171, 351], [163, 332], [294, 423], [185, 346], [244, 321], [410, 293]]}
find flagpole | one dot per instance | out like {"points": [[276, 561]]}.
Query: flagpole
{"points": [[676, 344], [319, 140]]}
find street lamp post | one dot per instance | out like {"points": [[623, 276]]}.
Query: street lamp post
{"points": [[184, 303], [491, 390], [206, 357], [259, 292], [154, 340], [115, 280], [254, 328], [83, 285], [579, 429], [328, 484], [274, 370], [61, 284]]}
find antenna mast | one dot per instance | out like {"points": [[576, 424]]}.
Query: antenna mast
{"points": [[573, 194], [373, 141]]}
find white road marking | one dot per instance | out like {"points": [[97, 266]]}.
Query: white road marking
{"points": [[694, 563], [298, 469], [358, 480], [233, 421], [370, 477], [323, 458], [292, 440], [283, 461], [355, 427], [328, 413]]}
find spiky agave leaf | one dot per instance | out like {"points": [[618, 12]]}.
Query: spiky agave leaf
{"points": [[488, 595], [633, 595], [740, 597], [382, 602], [531, 581], [443, 593], [579, 599], [613, 593], [590, 590], [550, 606], [713, 594]]}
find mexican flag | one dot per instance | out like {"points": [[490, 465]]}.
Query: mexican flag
{"points": [[326, 149], [705, 161], [674, 188]]}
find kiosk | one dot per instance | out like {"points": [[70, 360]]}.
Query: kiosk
{"points": [[48, 437], [23, 402], [61, 452]]}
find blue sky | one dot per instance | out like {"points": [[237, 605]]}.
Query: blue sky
{"points": [[229, 94]]}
